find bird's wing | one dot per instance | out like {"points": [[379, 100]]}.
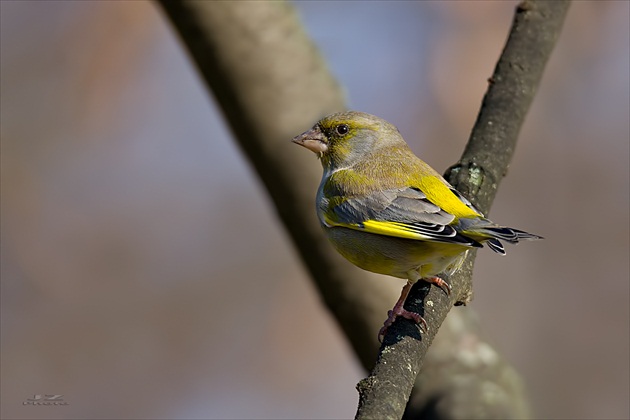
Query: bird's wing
{"points": [[403, 213]]}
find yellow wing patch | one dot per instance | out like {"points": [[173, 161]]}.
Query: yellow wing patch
{"points": [[400, 230], [440, 195], [396, 229]]}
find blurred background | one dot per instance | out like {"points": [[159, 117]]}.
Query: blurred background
{"points": [[131, 222]]}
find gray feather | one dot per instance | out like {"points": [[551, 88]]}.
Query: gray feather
{"points": [[405, 206]]}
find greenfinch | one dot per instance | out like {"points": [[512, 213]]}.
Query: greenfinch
{"points": [[388, 212]]}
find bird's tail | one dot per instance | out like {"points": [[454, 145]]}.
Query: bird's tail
{"points": [[492, 235]]}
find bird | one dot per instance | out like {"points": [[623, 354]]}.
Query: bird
{"points": [[388, 212]]}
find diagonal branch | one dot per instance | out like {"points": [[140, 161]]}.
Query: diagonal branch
{"points": [[534, 32], [271, 84]]}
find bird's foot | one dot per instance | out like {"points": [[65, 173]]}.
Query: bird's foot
{"points": [[439, 282], [400, 311]]}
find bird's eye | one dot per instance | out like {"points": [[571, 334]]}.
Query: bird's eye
{"points": [[342, 129]]}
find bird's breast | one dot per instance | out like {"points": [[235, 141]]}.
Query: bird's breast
{"points": [[394, 256]]}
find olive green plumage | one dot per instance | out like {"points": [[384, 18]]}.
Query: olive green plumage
{"points": [[387, 211]]}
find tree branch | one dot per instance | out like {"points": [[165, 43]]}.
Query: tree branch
{"points": [[271, 84], [534, 32]]}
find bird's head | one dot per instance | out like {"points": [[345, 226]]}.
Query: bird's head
{"points": [[342, 139]]}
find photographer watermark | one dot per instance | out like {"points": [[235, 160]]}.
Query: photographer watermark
{"points": [[45, 399]]}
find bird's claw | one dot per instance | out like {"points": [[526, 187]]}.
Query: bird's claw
{"points": [[399, 310], [395, 313], [441, 283]]}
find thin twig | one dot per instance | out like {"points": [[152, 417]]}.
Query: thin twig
{"points": [[535, 29]]}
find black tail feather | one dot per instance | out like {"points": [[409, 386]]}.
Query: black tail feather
{"points": [[496, 246], [508, 234]]}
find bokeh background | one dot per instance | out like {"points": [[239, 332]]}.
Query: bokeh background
{"points": [[131, 223]]}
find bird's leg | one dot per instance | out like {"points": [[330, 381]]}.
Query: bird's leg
{"points": [[399, 310]]}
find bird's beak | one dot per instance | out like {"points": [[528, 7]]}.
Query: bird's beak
{"points": [[313, 139]]}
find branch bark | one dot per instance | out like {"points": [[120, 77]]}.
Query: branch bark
{"points": [[535, 29], [271, 83]]}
